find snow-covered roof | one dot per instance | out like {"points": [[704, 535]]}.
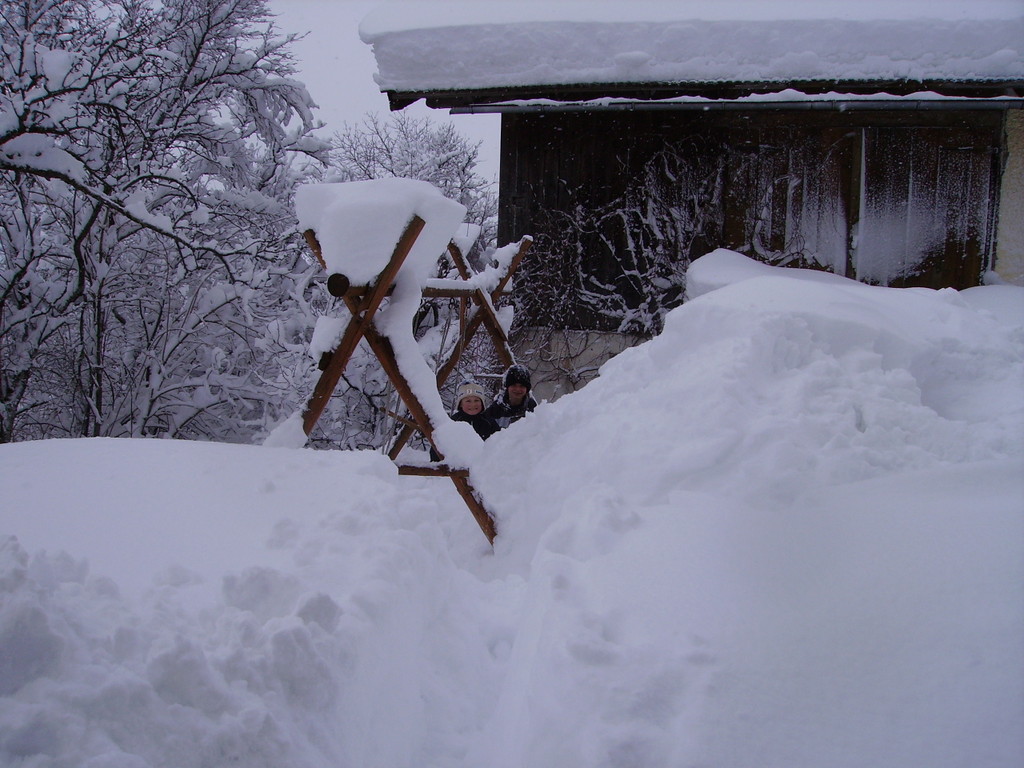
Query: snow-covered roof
{"points": [[535, 48]]}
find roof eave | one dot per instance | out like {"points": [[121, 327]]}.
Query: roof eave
{"points": [[640, 92]]}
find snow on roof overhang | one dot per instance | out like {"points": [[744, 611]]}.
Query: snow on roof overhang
{"points": [[459, 55], [787, 99], [717, 96]]}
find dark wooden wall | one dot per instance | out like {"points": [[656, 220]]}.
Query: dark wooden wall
{"points": [[620, 202]]}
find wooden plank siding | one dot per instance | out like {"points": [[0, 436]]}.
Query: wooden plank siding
{"points": [[620, 202], [930, 195]]}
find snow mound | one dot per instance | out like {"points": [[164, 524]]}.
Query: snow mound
{"points": [[788, 531]]}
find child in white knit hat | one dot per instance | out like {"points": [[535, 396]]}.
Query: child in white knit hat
{"points": [[469, 407]]}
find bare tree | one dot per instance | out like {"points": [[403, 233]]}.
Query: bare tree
{"points": [[403, 146], [621, 266]]}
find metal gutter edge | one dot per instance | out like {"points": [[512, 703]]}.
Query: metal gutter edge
{"points": [[824, 105]]}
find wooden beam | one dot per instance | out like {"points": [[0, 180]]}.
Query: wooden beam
{"points": [[382, 348], [460, 478], [361, 318], [449, 292], [381, 345], [524, 246], [503, 349], [483, 517], [459, 260], [314, 246], [431, 470], [402, 419], [489, 319], [362, 303], [339, 287]]}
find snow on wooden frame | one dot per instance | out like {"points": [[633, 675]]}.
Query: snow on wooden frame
{"points": [[358, 224]]}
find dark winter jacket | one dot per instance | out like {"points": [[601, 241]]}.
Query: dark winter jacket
{"points": [[504, 413], [484, 425]]}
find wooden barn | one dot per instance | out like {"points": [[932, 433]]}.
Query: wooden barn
{"points": [[637, 137]]}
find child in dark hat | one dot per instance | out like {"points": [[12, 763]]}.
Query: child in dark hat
{"points": [[515, 400]]}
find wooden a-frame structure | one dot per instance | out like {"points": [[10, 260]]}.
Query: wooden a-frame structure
{"points": [[476, 308]]}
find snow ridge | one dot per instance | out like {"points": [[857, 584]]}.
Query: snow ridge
{"points": [[787, 531]]}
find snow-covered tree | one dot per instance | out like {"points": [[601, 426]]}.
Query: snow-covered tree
{"points": [[148, 152], [400, 145], [621, 265]]}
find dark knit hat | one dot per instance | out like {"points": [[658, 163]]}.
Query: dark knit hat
{"points": [[517, 374]]}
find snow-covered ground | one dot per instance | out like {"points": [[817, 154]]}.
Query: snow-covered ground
{"points": [[787, 532]]}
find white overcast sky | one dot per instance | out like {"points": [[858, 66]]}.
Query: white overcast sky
{"points": [[338, 68]]}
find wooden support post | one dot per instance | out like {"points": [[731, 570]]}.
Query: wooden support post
{"points": [[460, 478], [314, 246], [385, 353], [431, 470], [505, 355], [381, 346], [489, 319], [361, 318], [459, 260], [362, 303], [483, 517], [484, 304]]}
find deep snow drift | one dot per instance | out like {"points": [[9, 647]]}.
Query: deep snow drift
{"points": [[787, 532]]}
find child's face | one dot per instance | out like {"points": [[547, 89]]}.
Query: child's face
{"points": [[516, 394], [471, 405]]}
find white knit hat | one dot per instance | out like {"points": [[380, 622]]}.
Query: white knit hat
{"points": [[469, 389]]}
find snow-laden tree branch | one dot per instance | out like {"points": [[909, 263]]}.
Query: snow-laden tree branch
{"points": [[148, 153]]}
